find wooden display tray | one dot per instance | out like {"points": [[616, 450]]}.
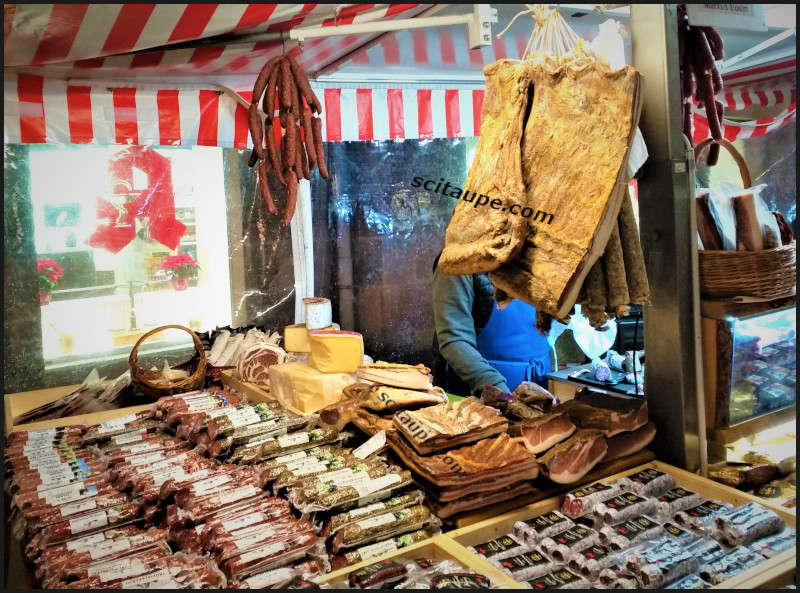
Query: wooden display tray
{"points": [[254, 393], [768, 571], [18, 403], [437, 548]]}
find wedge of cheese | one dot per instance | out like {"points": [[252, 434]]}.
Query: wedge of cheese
{"points": [[397, 375], [300, 386], [295, 337], [335, 351]]}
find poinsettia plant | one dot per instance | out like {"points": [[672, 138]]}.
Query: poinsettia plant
{"points": [[182, 265], [49, 274]]}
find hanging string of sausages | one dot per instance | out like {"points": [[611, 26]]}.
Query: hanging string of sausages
{"points": [[698, 48], [298, 125]]}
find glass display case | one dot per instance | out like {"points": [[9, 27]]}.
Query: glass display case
{"points": [[763, 373], [749, 366]]}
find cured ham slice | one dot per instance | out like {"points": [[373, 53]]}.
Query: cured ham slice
{"points": [[568, 462], [628, 443], [541, 434], [480, 500], [480, 238], [610, 414], [390, 399]]}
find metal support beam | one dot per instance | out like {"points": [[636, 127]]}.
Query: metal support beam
{"points": [[668, 231]]}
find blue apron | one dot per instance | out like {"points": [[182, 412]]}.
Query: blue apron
{"points": [[513, 346]]}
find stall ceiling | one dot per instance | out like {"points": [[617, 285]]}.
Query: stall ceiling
{"points": [[208, 43]]}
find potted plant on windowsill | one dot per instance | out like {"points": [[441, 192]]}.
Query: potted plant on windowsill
{"points": [[181, 268], [49, 275]]}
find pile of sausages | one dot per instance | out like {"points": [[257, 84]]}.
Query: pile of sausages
{"points": [[698, 48], [300, 147]]}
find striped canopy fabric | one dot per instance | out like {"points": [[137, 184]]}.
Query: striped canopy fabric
{"points": [[106, 74]]}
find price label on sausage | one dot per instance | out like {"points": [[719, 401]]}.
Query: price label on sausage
{"points": [[264, 552], [241, 522], [115, 423], [378, 549], [205, 486], [377, 484], [108, 547], [378, 521], [85, 542], [290, 457], [145, 458], [130, 437], [373, 444], [78, 507], [291, 440], [237, 494], [160, 579], [87, 522]]}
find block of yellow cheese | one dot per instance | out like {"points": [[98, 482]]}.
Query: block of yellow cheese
{"points": [[336, 351], [295, 337], [301, 386]]}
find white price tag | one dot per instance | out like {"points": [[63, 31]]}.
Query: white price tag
{"points": [[142, 447], [170, 473], [205, 486], [368, 510], [377, 441], [129, 437], [115, 423], [291, 457], [241, 522], [160, 579], [60, 476], [290, 440], [378, 549], [108, 547], [264, 552], [145, 458], [377, 484], [170, 461], [200, 405], [77, 507], [85, 542], [245, 491], [376, 521], [65, 494], [92, 521], [310, 468]]}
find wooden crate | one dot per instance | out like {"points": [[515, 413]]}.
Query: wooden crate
{"points": [[767, 571], [18, 403], [436, 548], [255, 394]]}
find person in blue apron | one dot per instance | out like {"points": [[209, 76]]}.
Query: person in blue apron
{"points": [[477, 344]]}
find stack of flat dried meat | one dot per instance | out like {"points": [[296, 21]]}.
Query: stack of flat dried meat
{"points": [[439, 445], [609, 427], [555, 139]]}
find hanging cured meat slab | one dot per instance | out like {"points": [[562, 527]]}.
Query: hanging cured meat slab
{"points": [[574, 164], [479, 238]]}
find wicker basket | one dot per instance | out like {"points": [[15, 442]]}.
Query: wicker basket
{"points": [[766, 274], [149, 381]]}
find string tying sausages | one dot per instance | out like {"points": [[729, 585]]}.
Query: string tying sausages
{"points": [[298, 126], [698, 49]]}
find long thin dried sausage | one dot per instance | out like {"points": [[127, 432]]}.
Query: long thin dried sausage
{"points": [[317, 127], [263, 77], [305, 87], [291, 200], [301, 163], [308, 138], [614, 267], [272, 150], [286, 85], [268, 105], [263, 184], [256, 129], [291, 141]]}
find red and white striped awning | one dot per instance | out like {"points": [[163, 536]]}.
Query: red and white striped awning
{"points": [[39, 110], [131, 40]]}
